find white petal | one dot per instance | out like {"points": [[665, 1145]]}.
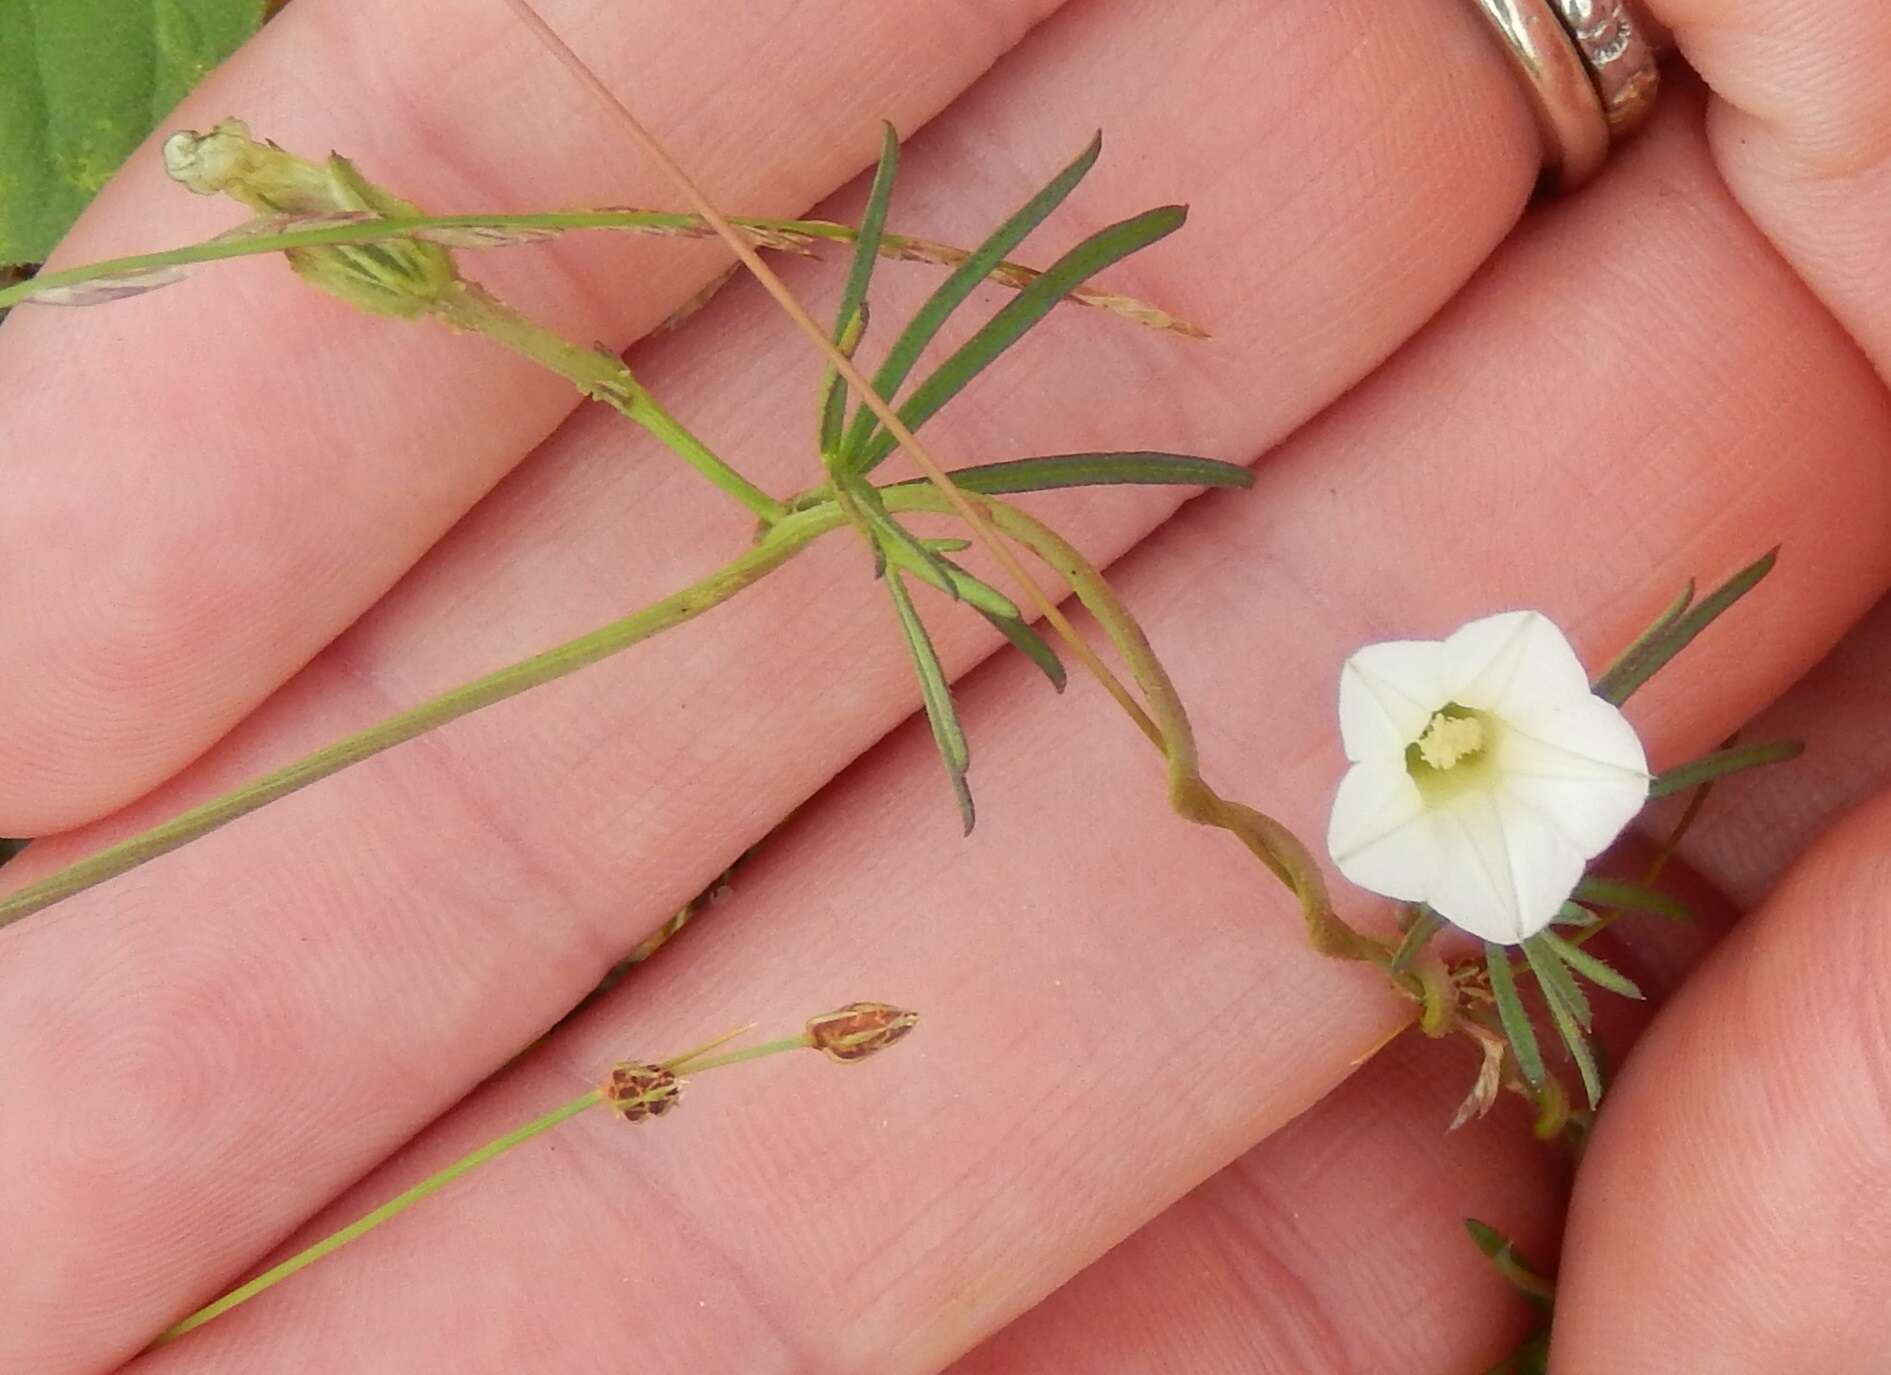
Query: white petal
{"points": [[1585, 772], [1381, 835], [1512, 665], [1502, 872], [1387, 694]]}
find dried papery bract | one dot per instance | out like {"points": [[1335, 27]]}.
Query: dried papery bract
{"points": [[858, 1030], [637, 1089]]}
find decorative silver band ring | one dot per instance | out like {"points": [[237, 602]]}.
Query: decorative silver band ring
{"points": [[1590, 71]]}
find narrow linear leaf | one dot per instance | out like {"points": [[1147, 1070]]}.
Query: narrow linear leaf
{"points": [[1136, 468], [834, 392], [1017, 316], [947, 546], [899, 546], [1510, 1011], [1572, 1028], [936, 693], [1424, 925], [1626, 662], [1622, 679], [1723, 762], [959, 285], [1502, 1254], [1554, 978], [1033, 646], [1595, 970], [976, 592], [1574, 914], [1632, 897], [851, 317]]}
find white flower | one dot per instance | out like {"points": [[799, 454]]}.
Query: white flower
{"points": [[1485, 774]]}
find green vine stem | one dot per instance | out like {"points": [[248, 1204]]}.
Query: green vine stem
{"points": [[600, 375], [788, 538], [1166, 724]]}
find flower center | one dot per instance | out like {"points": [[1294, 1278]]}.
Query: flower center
{"points": [[1449, 739], [1452, 754]]}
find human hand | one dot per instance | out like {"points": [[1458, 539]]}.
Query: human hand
{"points": [[206, 1053]]}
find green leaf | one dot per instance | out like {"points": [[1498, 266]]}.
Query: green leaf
{"points": [[1592, 968], [1425, 924], [1033, 645], [947, 734], [1645, 643], [1502, 1254], [1099, 470], [1569, 1010], [1668, 637], [964, 279], [850, 320], [1018, 315], [1553, 976], [1632, 897], [1510, 1011], [81, 83], [1721, 763]]}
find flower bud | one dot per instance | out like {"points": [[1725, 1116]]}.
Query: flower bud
{"points": [[636, 1090], [401, 276], [858, 1030]]}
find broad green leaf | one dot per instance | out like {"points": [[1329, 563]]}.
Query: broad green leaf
{"points": [[1099, 470], [964, 279], [1655, 650], [1017, 316], [81, 84], [936, 693], [1632, 897], [1721, 763], [1033, 646], [1553, 976], [1595, 970], [1510, 1011], [850, 320]]}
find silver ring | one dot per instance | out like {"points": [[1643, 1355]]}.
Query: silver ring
{"points": [[1622, 61], [1589, 71]]}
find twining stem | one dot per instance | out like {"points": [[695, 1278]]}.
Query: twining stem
{"points": [[793, 534], [600, 375], [1166, 724], [400, 1203]]}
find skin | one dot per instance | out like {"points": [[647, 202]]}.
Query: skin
{"points": [[1456, 407]]}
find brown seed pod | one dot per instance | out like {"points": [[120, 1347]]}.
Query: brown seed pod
{"points": [[636, 1091], [858, 1030]]}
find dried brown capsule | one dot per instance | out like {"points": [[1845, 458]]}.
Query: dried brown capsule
{"points": [[858, 1030], [636, 1091]]}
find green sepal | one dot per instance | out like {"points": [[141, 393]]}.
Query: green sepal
{"points": [[1596, 970]]}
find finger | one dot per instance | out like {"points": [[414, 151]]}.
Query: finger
{"points": [[1802, 131], [390, 938], [1729, 1215], [1337, 1244], [1119, 1006], [260, 463], [1764, 821]]}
